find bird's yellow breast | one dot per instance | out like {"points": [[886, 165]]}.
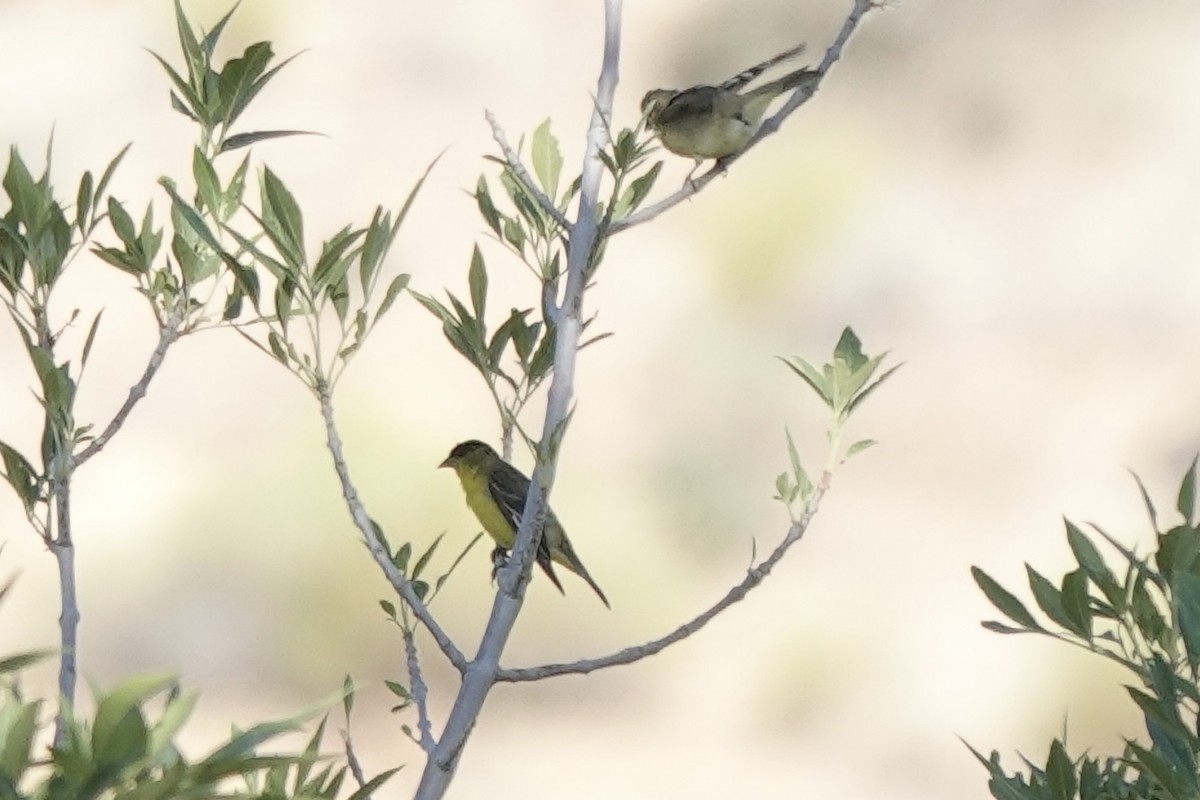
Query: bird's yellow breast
{"points": [[714, 137], [479, 499]]}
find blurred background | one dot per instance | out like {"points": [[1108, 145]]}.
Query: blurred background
{"points": [[1002, 195]]}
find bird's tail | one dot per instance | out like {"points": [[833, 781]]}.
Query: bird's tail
{"points": [[757, 100], [745, 76], [785, 84], [571, 561], [583, 574]]}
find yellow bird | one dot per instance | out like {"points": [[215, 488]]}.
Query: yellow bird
{"points": [[496, 492], [715, 121]]}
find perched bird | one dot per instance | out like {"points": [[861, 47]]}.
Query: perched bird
{"points": [[496, 492], [715, 121]]}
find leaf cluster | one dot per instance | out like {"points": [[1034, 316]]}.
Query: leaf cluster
{"points": [[215, 98], [39, 236], [1144, 614], [517, 356], [842, 383], [126, 752]]}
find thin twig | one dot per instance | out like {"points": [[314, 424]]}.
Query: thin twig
{"points": [[366, 527], [631, 655], [797, 98], [355, 765], [420, 692], [168, 334], [518, 170], [68, 620]]}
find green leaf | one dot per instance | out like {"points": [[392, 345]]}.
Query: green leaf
{"points": [[1076, 603], [193, 56], [282, 219], [1000, 627], [1186, 596], [1060, 773], [83, 203], [162, 733], [1146, 500], [240, 140], [237, 78], [184, 99], [1159, 769], [546, 158], [232, 199], [428, 554], [119, 734], [1004, 601], [21, 476], [477, 278], [402, 556], [278, 348], [804, 485], [28, 201], [633, 196], [1162, 712], [208, 185], [18, 724], [122, 224], [19, 661], [859, 446], [334, 261], [244, 98], [1092, 562], [209, 44], [849, 349], [106, 177], [365, 791], [1186, 502], [815, 380], [487, 209], [861, 396], [188, 215], [398, 284], [91, 338], [1049, 598]]}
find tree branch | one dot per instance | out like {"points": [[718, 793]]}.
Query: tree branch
{"points": [[168, 334], [420, 692], [68, 620], [480, 676], [366, 527], [631, 655]]}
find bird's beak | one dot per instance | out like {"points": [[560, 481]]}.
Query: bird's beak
{"points": [[445, 463]]}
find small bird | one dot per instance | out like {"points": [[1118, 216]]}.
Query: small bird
{"points": [[715, 121], [496, 492]]}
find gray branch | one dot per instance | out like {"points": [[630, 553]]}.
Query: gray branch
{"points": [[630, 655], [481, 673], [420, 692], [366, 527], [168, 334]]}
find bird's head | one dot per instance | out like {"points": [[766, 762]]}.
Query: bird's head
{"points": [[471, 453], [654, 102]]}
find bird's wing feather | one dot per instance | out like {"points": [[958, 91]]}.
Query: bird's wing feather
{"points": [[695, 103], [510, 489]]}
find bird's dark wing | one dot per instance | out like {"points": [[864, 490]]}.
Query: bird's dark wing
{"points": [[510, 490], [695, 103]]}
